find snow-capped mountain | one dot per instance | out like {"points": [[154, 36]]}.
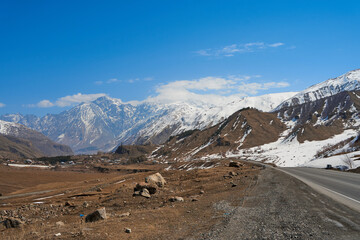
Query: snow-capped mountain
{"points": [[291, 136], [321, 120], [37, 141], [347, 82], [103, 124]]}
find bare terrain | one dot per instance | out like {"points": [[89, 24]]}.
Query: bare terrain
{"points": [[208, 196], [200, 200]]}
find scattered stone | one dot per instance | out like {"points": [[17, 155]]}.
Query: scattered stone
{"points": [[150, 187], [232, 173], [124, 214], [202, 191], [233, 184], [145, 193], [156, 179], [99, 189], [227, 176], [136, 193], [60, 224], [235, 164], [176, 199], [99, 214], [69, 204], [12, 223], [127, 230], [85, 204], [194, 200], [57, 234]]}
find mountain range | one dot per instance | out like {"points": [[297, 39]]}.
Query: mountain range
{"points": [[321, 120], [107, 122], [274, 127]]}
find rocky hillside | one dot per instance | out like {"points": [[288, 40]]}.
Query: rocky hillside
{"points": [[39, 143], [323, 118], [244, 129], [16, 148]]}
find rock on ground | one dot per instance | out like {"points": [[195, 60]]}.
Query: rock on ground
{"points": [[99, 214], [150, 187], [235, 164], [176, 199], [156, 179], [60, 224], [12, 223], [145, 193]]}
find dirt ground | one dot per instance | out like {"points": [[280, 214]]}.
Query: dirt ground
{"points": [[39, 198]]}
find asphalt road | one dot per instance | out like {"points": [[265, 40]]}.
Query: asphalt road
{"points": [[341, 186]]}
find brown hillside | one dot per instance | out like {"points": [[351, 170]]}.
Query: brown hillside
{"points": [[16, 148], [245, 128]]}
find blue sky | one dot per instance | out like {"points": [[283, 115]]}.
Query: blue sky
{"points": [[54, 54]]}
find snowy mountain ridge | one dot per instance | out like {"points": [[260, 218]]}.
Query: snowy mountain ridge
{"points": [[347, 82], [103, 124], [6, 128]]}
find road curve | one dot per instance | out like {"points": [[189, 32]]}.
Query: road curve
{"points": [[341, 186]]}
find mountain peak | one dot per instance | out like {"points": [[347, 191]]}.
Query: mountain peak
{"points": [[349, 81], [353, 75]]}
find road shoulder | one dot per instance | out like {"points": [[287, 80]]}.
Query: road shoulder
{"points": [[283, 207]]}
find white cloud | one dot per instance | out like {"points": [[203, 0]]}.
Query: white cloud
{"points": [[68, 100], [254, 88], [231, 50], [203, 52], [112, 80], [276, 44], [77, 98], [2, 105], [212, 89], [109, 81], [44, 104], [148, 79], [115, 80]]}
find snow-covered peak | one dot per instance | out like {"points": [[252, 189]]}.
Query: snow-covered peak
{"points": [[109, 100], [346, 82], [7, 128]]}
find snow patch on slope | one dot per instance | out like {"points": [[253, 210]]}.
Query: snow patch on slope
{"points": [[292, 153]]}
